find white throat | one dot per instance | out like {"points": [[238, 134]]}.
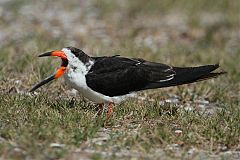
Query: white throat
{"points": [[75, 64]]}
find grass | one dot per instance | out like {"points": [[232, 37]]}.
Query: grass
{"points": [[31, 124]]}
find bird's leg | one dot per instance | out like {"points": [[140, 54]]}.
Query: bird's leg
{"points": [[100, 109], [110, 109], [109, 113]]}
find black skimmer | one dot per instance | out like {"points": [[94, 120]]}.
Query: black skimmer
{"points": [[112, 79]]}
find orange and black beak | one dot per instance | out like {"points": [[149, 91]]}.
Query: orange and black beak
{"points": [[59, 72]]}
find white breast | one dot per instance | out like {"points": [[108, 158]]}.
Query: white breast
{"points": [[78, 82]]}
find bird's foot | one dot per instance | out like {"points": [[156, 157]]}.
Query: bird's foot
{"points": [[100, 110], [109, 113]]}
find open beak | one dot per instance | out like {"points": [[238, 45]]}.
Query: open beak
{"points": [[58, 73]]}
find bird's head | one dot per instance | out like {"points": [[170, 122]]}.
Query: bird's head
{"points": [[71, 57]]}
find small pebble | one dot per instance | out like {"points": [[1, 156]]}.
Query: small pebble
{"points": [[56, 145], [178, 132]]}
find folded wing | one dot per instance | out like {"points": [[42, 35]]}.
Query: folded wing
{"points": [[115, 76]]}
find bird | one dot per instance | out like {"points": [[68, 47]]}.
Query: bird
{"points": [[108, 80]]}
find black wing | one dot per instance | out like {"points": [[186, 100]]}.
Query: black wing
{"points": [[115, 76]]}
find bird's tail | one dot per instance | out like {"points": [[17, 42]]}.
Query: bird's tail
{"points": [[185, 75]]}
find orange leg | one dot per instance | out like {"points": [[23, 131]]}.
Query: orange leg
{"points": [[109, 113], [110, 110], [100, 109]]}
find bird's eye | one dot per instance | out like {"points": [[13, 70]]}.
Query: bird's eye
{"points": [[73, 67]]}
